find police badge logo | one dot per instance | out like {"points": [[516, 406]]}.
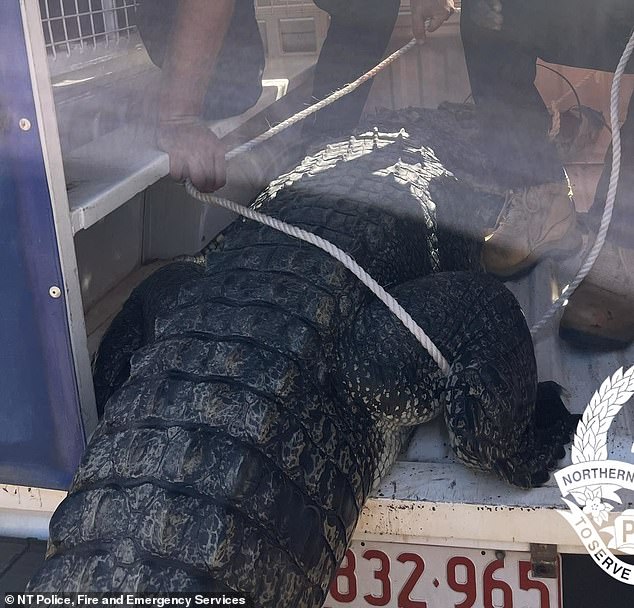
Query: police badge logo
{"points": [[592, 482]]}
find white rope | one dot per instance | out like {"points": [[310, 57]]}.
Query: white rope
{"points": [[323, 244], [336, 253], [609, 205], [589, 76], [555, 121], [272, 132]]}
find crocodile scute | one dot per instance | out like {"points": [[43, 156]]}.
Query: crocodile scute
{"points": [[251, 404]]}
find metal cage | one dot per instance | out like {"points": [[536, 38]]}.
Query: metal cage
{"points": [[75, 25]]}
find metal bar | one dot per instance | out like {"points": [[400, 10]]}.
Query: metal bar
{"points": [[93, 27], [20, 524], [25, 512], [109, 20], [61, 5], [79, 28], [125, 14], [50, 30]]}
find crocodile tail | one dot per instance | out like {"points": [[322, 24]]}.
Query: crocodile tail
{"points": [[133, 327], [223, 462], [111, 366]]}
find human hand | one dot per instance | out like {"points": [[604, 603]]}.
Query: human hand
{"points": [[194, 152], [436, 11]]}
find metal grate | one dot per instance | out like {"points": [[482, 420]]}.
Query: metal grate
{"points": [[71, 25]]}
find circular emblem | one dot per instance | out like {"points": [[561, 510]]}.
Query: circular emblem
{"points": [[593, 481]]}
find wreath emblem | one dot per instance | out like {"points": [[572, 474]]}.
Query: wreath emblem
{"points": [[591, 437], [593, 481]]}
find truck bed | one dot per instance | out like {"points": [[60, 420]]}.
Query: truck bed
{"points": [[428, 495]]}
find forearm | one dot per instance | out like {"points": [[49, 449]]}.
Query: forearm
{"points": [[196, 40]]}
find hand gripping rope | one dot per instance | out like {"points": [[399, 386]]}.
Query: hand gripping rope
{"points": [[359, 272]]}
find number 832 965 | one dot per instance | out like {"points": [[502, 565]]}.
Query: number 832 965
{"points": [[420, 576]]}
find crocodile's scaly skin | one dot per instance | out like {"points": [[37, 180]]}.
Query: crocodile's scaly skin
{"points": [[269, 391]]}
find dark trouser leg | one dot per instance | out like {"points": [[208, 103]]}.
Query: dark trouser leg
{"points": [[358, 36], [578, 33], [514, 118], [596, 40]]}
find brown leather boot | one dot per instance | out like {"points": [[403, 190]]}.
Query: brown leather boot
{"points": [[600, 313], [534, 222]]}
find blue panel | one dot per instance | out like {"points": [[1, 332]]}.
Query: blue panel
{"points": [[41, 435]]}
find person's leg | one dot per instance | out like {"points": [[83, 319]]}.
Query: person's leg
{"points": [[601, 311], [515, 121], [357, 39], [580, 33], [502, 69], [597, 41], [538, 217]]}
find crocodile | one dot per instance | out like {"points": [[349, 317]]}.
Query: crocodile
{"points": [[250, 404]]}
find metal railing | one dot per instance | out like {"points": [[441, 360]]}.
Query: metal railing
{"points": [[77, 25]]}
